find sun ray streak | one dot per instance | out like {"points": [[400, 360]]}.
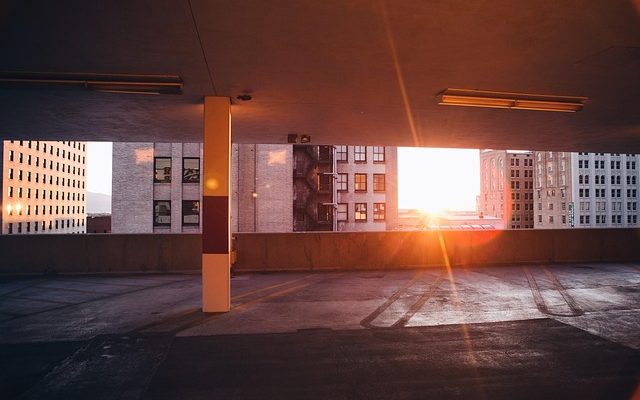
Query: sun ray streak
{"points": [[399, 75], [456, 304]]}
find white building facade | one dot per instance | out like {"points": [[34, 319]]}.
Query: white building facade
{"points": [[586, 190]]}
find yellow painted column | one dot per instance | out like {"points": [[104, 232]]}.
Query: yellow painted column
{"points": [[216, 211]]}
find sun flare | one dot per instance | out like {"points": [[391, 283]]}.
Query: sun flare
{"points": [[435, 180]]}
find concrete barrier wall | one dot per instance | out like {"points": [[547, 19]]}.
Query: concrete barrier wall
{"points": [[315, 251], [380, 250], [100, 253]]}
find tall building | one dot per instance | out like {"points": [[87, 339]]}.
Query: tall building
{"points": [[506, 187], [156, 187], [274, 188], [586, 190], [43, 187]]}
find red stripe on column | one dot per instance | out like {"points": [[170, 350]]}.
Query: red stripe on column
{"points": [[215, 225]]}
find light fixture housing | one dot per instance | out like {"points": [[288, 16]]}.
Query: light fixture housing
{"points": [[113, 83], [510, 100], [305, 139]]}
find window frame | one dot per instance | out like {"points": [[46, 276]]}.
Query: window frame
{"points": [[358, 152], [340, 183], [185, 177], [345, 212], [376, 152], [340, 153], [189, 204], [376, 212], [357, 214], [356, 183], [376, 188], [156, 223], [155, 170]]}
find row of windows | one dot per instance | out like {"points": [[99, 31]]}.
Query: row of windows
{"points": [[190, 170], [59, 195], [36, 144], [515, 162], [602, 154], [527, 206], [70, 156], [599, 164], [602, 192], [162, 213], [359, 154], [359, 182], [516, 196], [60, 181], [361, 212], [37, 226], [600, 179], [70, 169], [515, 173], [60, 210], [516, 185], [615, 219]]}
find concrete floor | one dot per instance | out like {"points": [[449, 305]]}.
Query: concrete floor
{"points": [[569, 331]]}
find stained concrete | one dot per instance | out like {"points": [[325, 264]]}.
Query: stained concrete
{"points": [[538, 331]]}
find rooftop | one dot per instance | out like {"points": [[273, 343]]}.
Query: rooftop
{"points": [[537, 331]]}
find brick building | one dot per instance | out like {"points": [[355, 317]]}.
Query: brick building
{"points": [[274, 188], [506, 187]]}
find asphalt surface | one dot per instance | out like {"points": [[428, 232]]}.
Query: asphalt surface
{"points": [[566, 331]]}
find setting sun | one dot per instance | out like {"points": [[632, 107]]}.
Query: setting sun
{"points": [[434, 179]]}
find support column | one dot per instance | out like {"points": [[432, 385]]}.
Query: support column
{"points": [[216, 217]]}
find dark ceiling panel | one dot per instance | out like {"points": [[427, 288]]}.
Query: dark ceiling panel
{"points": [[361, 71]]}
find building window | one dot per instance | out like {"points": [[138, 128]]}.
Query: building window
{"points": [[361, 212], [360, 153], [378, 154], [343, 212], [379, 211], [190, 170], [360, 184], [342, 184], [324, 213], [325, 182], [378, 183], [190, 213], [341, 153], [162, 213], [162, 166]]}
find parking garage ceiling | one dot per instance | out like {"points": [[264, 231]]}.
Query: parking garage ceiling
{"points": [[358, 71]]}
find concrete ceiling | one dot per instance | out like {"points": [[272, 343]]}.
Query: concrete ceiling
{"points": [[358, 71]]}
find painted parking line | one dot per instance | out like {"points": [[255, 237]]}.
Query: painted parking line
{"points": [[366, 322], [402, 322], [538, 298], [573, 305], [195, 317], [244, 294]]}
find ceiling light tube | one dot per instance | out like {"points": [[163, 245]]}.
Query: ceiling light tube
{"points": [[118, 83], [510, 100]]}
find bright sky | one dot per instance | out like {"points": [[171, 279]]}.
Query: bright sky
{"points": [[99, 167], [435, 179]]}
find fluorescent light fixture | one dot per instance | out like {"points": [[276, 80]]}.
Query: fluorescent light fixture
{"points": [[113, 83], [515, 101]]}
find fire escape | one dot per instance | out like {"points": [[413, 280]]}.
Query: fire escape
{"points": [[313, 180]]}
